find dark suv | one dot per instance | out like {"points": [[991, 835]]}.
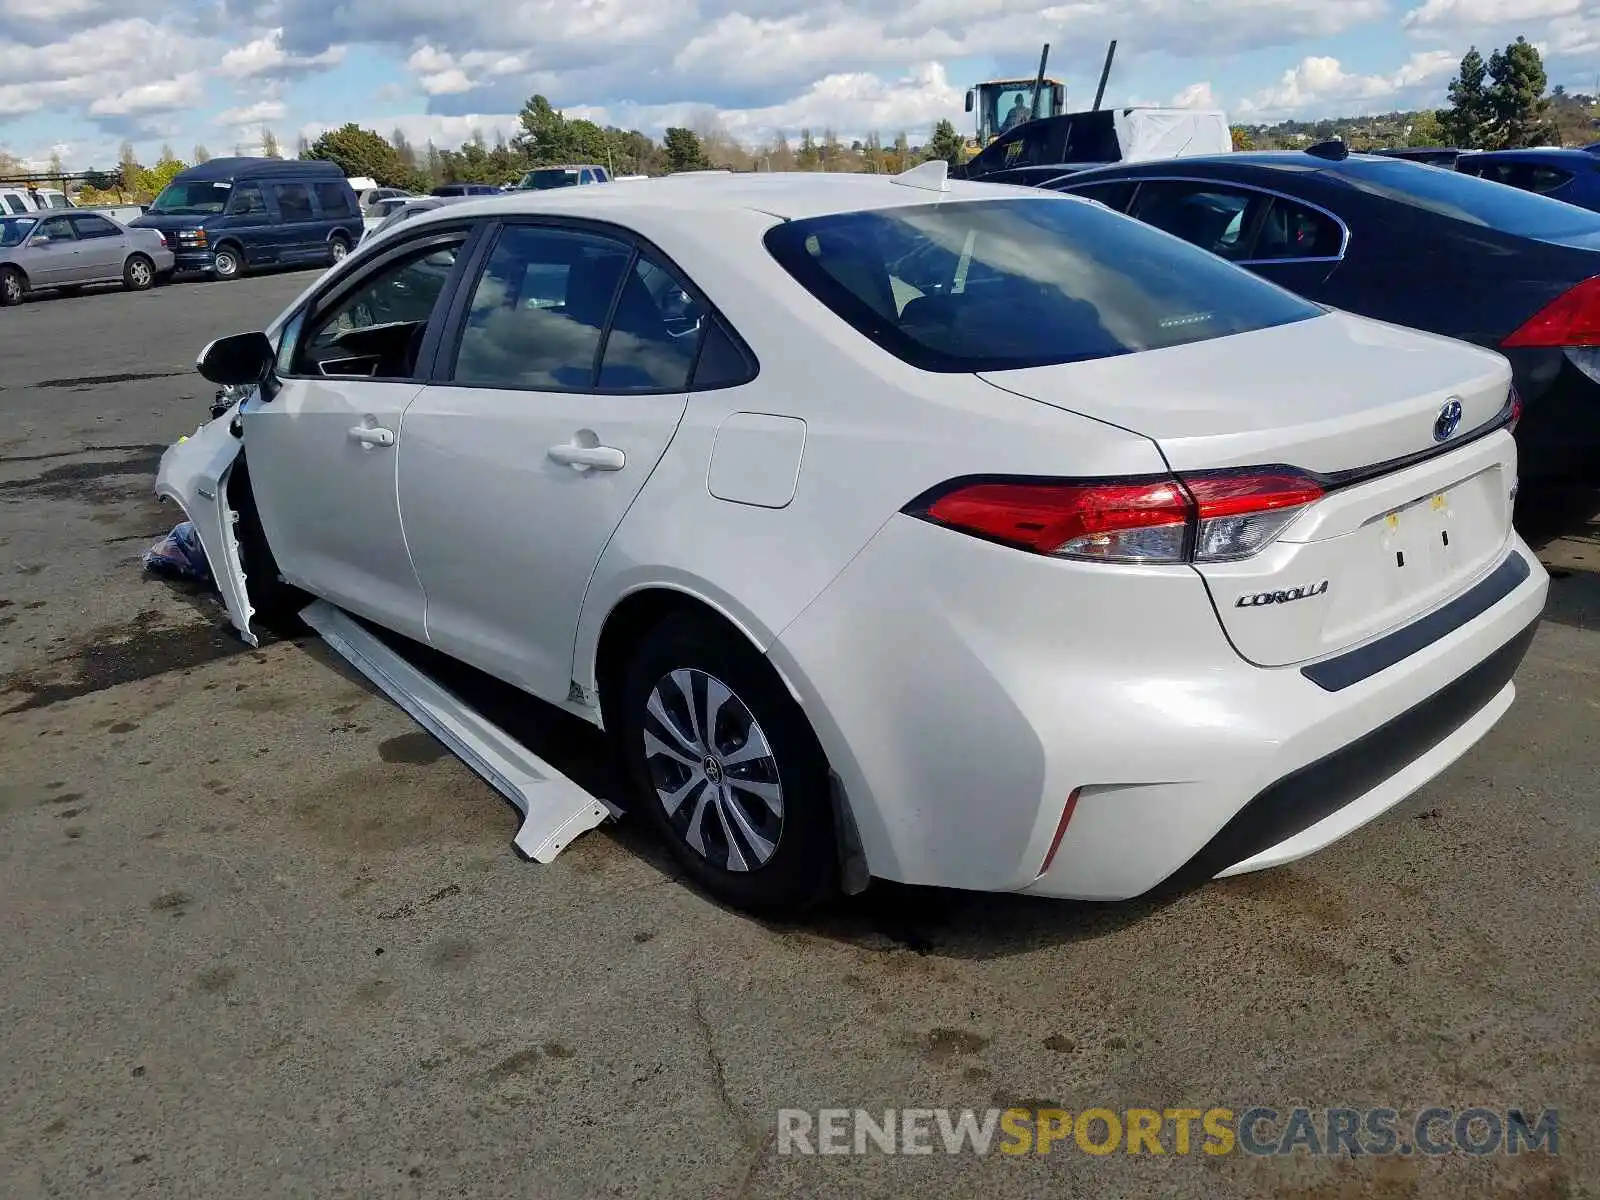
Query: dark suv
{"points": [[231, 214]]}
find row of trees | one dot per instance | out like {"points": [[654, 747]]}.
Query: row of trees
{"points": [[1499, 103], [546, 136]]}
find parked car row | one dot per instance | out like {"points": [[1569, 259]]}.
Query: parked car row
{"points": [[908, 527]]}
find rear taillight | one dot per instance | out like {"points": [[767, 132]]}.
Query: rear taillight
{"points": [[1571, 319], [1205, 517], [1514, 403]]}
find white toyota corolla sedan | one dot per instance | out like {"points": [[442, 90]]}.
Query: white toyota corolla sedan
{"points": [[960, 534]]}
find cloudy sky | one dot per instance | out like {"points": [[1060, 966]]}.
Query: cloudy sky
{"points": [[81, 75]]}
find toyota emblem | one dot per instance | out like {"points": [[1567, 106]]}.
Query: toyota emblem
{"points": [[1445, 424]]}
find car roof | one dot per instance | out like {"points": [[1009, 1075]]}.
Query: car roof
{"points": [[787, 195], [1536, 153], [221, 169]]}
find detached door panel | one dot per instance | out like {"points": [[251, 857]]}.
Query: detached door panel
{"points": [[516, 472]]}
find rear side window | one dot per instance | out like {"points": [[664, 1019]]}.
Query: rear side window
{"points": [[1547, 179], [1113, 194], [1467, 198], [991, 285], [336, 200], [14, 203], [294, 202], [539, 309], [94, 227]]}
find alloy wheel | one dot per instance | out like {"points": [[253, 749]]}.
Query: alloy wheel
{"points": [[139, 272], [713, 770]]}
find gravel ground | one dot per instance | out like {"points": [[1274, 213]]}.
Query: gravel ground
{"points": [[261, 936]]}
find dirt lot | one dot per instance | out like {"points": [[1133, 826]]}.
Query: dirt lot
{"points": [[260, 936]]}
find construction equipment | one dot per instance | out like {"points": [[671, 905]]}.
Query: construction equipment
{"points": [[1001, 104]]}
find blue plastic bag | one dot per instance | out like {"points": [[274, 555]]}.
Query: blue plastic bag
{"points": [[179, 556]]}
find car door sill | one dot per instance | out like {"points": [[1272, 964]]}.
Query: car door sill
{"points": [[555, 810]]}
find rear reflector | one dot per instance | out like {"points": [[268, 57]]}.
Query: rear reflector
{"points": [[1571, 319], [1061, 831], [1206, 517]]}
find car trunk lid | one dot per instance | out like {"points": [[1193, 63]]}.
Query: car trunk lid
{"points": [[1415, 507]]}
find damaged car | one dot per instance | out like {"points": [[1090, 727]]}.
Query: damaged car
{"points": [[900, 528]]}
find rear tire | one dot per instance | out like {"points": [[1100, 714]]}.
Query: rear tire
{"points": [[138, 273], [338, 247], [751, 817], [13, 287], [227, 263]]}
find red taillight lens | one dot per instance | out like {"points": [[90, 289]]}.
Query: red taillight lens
{"points": [[1208, 517], [1137, 521], [1515, 400], [1571, 319]]}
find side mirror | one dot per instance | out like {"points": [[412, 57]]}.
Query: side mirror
{"points": [[240, 360], [38, 240], [969, 99]]}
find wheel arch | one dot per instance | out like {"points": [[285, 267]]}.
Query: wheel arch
{"points": [[638, 612], [11, 266], [630, 621]]}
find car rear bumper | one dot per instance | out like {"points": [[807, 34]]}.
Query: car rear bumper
{"points": [[964, 692], [1559, 434]]}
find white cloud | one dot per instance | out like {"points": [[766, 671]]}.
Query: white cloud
{"points": [[1470, 14], [1196, 95], [1321, 84], [160, 96], [259, 113], [265, 57]]}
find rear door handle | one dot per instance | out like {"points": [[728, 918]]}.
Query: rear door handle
{"points": [[368, 435], [586, 458]]}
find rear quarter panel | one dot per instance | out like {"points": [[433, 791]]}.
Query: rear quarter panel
{"points": [[877, 434]]}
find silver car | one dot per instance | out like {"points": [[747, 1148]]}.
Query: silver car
{"points": [[67, 251]]}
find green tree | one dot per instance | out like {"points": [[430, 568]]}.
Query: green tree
{"points": [[1242, 139], [682, 150], [832, 151], [128, 168], [269, 144], [201, 154], [55, 168], [360, 152], [808, 159], [900, 158], [947, 144], [1425, 131], [1516, 101], [873, 160], [545, 138], [1466, 123]]}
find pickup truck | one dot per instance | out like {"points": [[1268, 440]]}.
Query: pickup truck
{"points": [[15, 200]]}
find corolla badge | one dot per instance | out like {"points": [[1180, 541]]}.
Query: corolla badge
{"points": [[1304, 592], [1445, 424]]}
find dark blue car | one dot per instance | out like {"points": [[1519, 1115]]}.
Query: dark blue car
{"points": [[1569, 175], [1422, 246], [228, 215]]}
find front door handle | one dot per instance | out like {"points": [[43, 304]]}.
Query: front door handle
{"points": [[369, 435], [587, 458]]}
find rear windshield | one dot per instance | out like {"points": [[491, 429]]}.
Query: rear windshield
{"points": [[991, 285], [14, 230], [549, 177], [1467, 198]]}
